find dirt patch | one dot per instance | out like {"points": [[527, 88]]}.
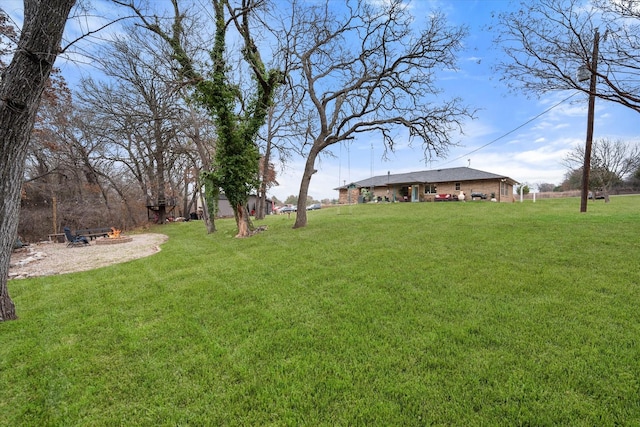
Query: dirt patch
{"points": [[46, 259]]}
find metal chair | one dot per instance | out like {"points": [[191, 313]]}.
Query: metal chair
{"points": [[74, 240]]}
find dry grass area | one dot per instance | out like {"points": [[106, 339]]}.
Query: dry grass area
{"points": [[45, 259]]}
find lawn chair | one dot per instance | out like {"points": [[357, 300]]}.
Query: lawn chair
{"points": [[74, 240]]}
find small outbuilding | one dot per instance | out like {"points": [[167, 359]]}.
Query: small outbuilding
{"points": [[425, 186], [226, 211]]}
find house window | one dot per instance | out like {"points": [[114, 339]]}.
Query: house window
{"points": [[457, 186], [430, 189]]}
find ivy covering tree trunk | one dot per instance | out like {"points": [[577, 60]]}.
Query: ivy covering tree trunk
{"points": [[238, 119], [21, 87]]}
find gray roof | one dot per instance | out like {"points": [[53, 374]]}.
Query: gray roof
{"points": [[434, 176]]}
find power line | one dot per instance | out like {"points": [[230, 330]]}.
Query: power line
{"points": [[514, 129]]}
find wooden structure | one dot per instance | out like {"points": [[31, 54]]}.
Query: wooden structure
{"points": [[160, 207]]}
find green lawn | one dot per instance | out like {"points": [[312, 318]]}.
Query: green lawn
{"points": [[405, 314]]}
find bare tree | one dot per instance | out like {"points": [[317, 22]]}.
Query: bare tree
{"points": [[611, 163], [139, 112], [546, 187], [66, 181], [276, 137], [368, 71], [238, 119], [548, 41], [201, 132]]}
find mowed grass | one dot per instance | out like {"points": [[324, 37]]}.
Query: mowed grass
{"points": [[461, 314]]}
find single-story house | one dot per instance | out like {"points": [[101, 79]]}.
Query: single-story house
{"points": [[423, 186]]}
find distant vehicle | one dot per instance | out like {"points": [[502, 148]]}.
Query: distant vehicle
{"points": [[314, 207], [598, 195], [478, 195], [288, 209]]}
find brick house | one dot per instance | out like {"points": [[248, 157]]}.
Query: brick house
{"points": [[423, 186]]}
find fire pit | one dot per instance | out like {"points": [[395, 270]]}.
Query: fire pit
{"points": [[113, 238]]}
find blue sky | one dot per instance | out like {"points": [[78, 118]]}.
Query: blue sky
{"points": [[500, 140]]}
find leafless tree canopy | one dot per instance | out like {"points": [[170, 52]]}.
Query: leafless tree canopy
{"points": [[364, 68], [117, 148], [612, 162], [140, 112], [546, 41]]}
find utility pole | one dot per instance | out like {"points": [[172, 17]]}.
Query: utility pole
{"points": [[592, 101]]}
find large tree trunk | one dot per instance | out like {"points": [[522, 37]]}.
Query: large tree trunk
{"points": [[309, 170], [205, 158], [261, 201], [207, 215], [243, 220], [262, 192], [162, 211], [20, 91], [260, 198]]}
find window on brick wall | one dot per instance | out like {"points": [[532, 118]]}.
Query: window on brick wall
{"points": [[458, 186], [430, 189]]}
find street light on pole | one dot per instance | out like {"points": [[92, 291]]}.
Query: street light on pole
{"points": [[593, 67]]}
